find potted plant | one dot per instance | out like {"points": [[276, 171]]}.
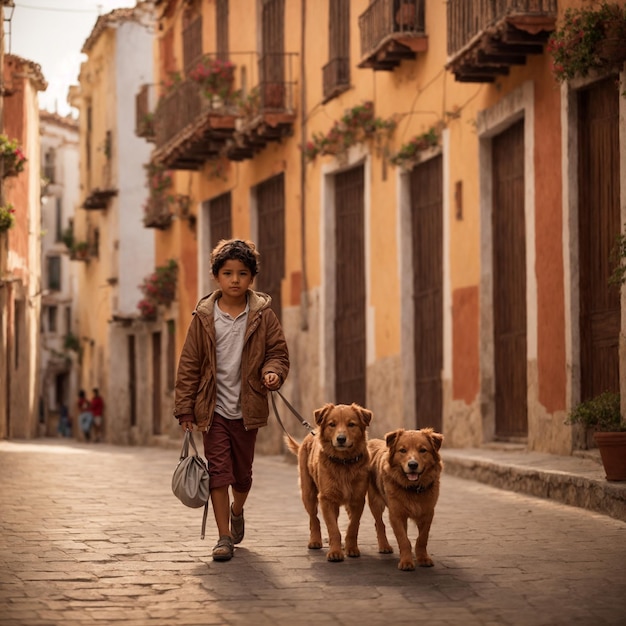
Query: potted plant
{"points": [[6, 217], [590, 38], [11, 157], [601, 414], [158, 288], [215, 77], [410, 152]]}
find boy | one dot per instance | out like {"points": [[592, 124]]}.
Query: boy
{"points": [[235, 350]]}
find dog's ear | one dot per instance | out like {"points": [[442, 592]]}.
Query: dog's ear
{"points": [[435, 438], [365, 414], [390, 438], [320, 414]]}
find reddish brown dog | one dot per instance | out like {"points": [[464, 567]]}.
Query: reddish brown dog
{"points": [[404, 476], [333, 465]]}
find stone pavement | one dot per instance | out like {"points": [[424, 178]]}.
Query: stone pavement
{"points": [[91, 534]]}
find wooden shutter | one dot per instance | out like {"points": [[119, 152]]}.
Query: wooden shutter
{"points": [[509, 283], [350, 346], [271, 243], [599, 225], [427, 228]]}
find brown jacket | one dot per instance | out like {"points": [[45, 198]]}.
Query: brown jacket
{"points": [[264, 350]]}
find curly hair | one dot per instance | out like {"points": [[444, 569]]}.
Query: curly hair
{"points": [[235, 249]]}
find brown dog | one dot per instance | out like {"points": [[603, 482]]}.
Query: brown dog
{"points": [[404, 476], [333, 465]]}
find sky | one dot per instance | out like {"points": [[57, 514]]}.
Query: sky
{"points": [[52, 33]]}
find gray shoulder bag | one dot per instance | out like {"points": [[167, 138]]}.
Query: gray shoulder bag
{"points": [[190, 482]]}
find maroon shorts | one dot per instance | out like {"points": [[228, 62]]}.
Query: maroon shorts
{"points": [[229, 449]]}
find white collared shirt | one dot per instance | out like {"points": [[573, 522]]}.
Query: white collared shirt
{"points": [[229, 337]]}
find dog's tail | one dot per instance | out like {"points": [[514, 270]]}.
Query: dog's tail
{"points": [[292, 444]]}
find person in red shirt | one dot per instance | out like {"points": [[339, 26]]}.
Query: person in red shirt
{"points": [[97, 408]]}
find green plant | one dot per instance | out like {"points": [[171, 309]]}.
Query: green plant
{"points": [[67, 237], [618, 256], [71, 342], [409, 151], [146, 125], [357, 125], [583, 42], [11, 156], [7, 218], [602, 413], [215, 76], [248, 105]]}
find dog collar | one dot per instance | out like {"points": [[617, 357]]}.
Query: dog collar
{"points": [[355, 459], [419, 488]]}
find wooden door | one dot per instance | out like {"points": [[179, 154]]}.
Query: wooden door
{"points": [[426, 182], [599, 225], [509, 283], [350, 355], [156, 383], [271, 243]]}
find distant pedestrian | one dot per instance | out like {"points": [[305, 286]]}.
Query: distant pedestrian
{"points": [[235, 350], [97, 409], [85, 418], [64, 427]]}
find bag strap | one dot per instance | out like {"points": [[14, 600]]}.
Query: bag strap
{"points": [[204, 516], [188, 439]]}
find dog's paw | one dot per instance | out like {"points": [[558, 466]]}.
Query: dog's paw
{"points": [[425, 562], [315, 545], [385, 549], [353, 551], [335, 555], [406, 565]]}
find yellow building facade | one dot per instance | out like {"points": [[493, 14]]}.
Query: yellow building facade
{"points": [[411, 172]]}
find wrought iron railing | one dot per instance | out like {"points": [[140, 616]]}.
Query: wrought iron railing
{"points": [[387, 17], [276, 82], [468, 18]]}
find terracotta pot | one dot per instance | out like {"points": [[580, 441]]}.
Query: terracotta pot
{"points": [[612, 448]]}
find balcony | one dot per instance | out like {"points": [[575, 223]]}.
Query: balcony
{"points": [[190, 128], [487, 37], [98, 199], [268, 112], [392, 31], [157, 213]]}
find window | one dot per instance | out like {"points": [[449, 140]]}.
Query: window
{"points": [[171, 354], [336, 73], [52, 319], [221, 35], [58, 220], [192, 40], [54, 273], [49, 162]]}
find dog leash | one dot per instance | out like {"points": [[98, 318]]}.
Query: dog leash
{"points": [[300, 418]]}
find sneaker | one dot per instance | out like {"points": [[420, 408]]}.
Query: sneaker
{"points": [[237, 526], [223, 550]]}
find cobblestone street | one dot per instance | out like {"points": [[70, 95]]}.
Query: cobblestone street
{"points": [[91, 534]]}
